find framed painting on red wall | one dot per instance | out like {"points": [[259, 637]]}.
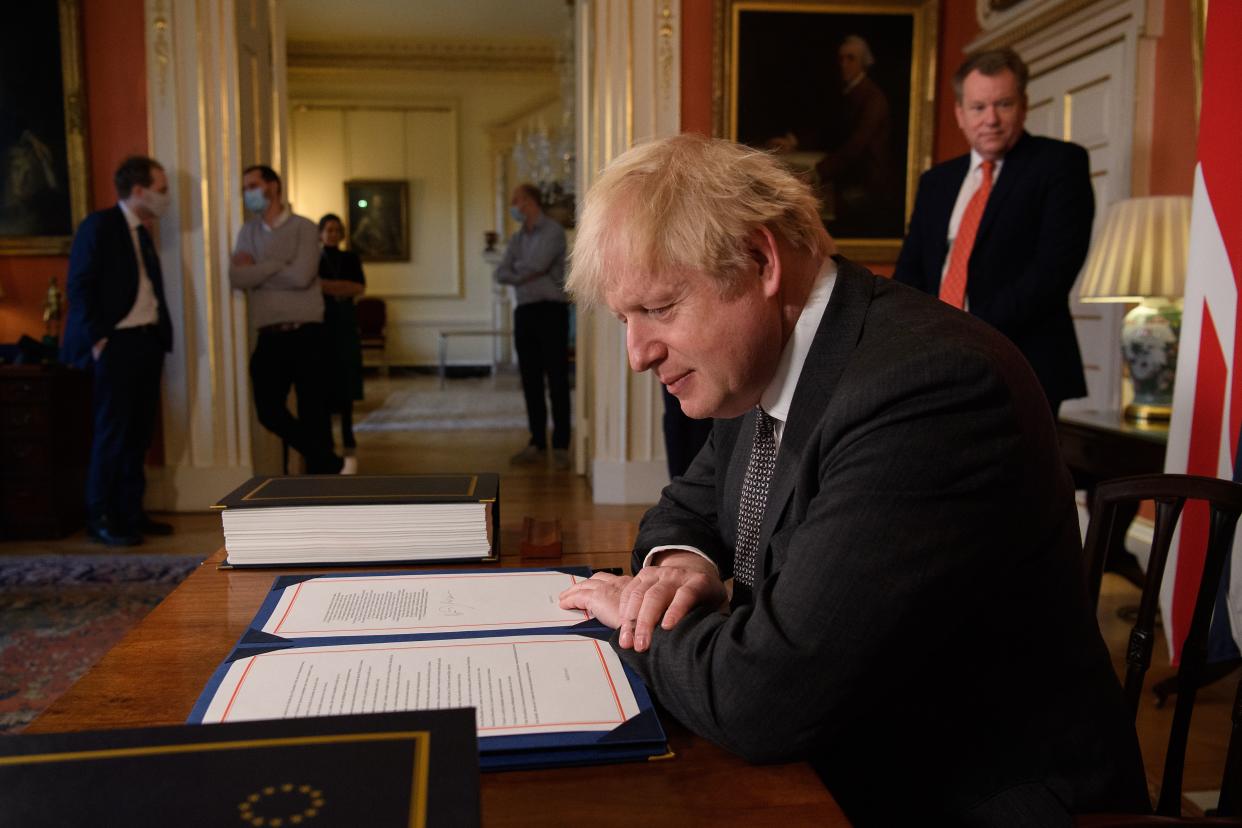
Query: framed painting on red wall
{"points": [[43, 173], [842, 92]]}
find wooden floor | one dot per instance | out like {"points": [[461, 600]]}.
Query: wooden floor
{"points": [[544, 493]]}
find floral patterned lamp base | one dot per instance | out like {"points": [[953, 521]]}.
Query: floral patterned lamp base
{"points": [[1149, 337]]}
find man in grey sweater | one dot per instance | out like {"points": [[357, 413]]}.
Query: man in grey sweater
{"points": [[276, 261], [534, 263]]}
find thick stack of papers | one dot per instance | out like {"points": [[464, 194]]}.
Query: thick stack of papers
{"points": [[364, 533], [332, 519]]}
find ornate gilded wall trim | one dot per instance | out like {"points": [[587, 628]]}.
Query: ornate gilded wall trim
{"points": [[1020, 22], [667, 31], [160, 48], [441, 55]]}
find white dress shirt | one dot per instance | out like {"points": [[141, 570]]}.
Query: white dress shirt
{"points": [[146, 309], [970, 185], [778, 396]]}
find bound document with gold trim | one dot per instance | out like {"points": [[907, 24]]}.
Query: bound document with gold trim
{"points": [[391, 769], [326, 520]]}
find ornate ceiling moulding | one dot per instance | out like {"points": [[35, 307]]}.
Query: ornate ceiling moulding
{"points": [[1005, 22], [442, 55]]}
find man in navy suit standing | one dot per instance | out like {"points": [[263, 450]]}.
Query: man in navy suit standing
{"points": [[1002, 232], [119, 328]]}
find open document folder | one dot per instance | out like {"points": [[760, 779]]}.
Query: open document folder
{"points": [[546, 687]]}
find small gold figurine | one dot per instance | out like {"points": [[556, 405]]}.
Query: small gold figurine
{"points": [[52, 308]]}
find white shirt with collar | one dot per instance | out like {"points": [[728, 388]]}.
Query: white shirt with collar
{"points": [[970, 185], [778, 396], [146, 308], [281, 218]]}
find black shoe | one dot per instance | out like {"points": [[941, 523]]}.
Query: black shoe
{"points": [[155, 527], [100, 532]]}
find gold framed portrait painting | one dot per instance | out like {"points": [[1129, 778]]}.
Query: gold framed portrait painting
{"points": [[843, 93], [43, 180]]}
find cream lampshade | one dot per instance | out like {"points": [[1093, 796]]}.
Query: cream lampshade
{"points": [[1140, 256]]}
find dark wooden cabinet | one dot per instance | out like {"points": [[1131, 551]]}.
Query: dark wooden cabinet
{"points": [[45, 440], [1101, 445]]}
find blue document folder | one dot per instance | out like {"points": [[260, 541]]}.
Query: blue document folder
{"points": [[399, 621]]}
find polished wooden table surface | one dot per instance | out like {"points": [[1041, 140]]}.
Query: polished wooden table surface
{"points": [[156, 673]]}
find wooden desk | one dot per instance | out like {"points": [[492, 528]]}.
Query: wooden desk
{"points": [[155, 674]]}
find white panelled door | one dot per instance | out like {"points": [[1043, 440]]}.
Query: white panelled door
{"points": [[1084, 101]]}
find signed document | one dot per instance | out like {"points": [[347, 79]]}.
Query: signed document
{"points": [[328, 607], [544, 686], [517, 685]]}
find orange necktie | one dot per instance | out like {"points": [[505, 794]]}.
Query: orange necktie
{"points": [[953, 286]]}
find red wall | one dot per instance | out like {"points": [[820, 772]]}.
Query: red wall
{"points": [[958, 26], [1173, 138], [115, 76], [696, 66]]}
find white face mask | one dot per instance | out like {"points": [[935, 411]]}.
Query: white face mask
{"points": [[156, 201]]}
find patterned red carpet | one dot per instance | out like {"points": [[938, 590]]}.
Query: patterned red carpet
{"points": [[60, 613]]}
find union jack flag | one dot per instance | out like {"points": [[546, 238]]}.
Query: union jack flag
{"points": [[1207, 397]]}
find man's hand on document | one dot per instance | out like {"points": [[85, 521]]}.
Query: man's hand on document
{"points": [[658, 594]]}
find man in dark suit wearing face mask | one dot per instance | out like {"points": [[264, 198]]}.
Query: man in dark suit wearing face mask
{"points": [[119, 328]]}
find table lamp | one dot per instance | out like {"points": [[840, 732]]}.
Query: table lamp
{"points": [[1140, 256]]}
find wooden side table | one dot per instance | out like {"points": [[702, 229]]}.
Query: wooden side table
{"points": [[45, 442], [1101, 445]]}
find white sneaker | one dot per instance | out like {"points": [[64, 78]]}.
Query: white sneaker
{"points": [[351, 466]]}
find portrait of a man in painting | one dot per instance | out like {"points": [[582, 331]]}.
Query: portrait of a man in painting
{"points": [[831, 89]]}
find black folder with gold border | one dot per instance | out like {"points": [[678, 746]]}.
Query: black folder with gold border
{"points": [[413, 770], [331, 490]]}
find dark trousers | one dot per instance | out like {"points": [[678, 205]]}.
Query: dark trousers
{"points": [[125, 401], [683, 435], [348, 441], [296, 359], [541, 335]]}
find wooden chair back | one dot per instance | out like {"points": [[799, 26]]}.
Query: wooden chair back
{"points": [[372, 315], [1105, 533]]}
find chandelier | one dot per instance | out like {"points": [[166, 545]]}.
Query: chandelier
{"points": [[545, 156]]}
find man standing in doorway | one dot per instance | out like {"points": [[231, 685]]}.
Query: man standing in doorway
{"points": [[276, 261], [119, 328], [1003, 231], [534, 263]]}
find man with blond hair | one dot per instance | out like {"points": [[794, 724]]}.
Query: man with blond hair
{"points": [[883, 487]]}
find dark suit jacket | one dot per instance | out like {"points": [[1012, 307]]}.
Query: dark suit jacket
{"points": [[103, 284], [920, 628], [1032, 240]]}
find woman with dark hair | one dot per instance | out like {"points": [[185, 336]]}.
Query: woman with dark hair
{"points": [[340, 273]]}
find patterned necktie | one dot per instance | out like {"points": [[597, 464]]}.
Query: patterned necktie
{"points": [[953, 287], [754, 499]]}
